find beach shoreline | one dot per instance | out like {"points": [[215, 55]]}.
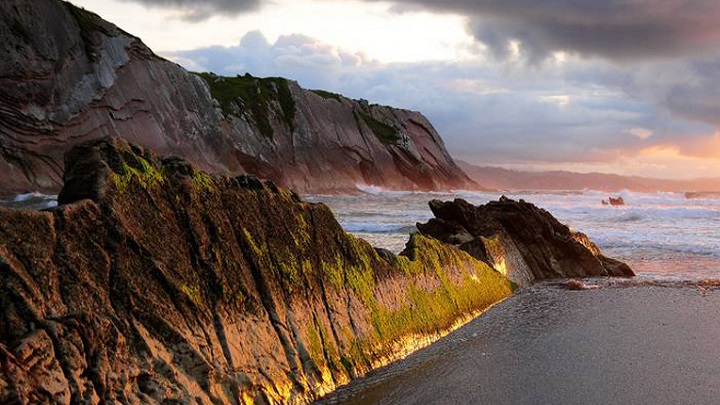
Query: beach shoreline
{"points": [[637, 340]]}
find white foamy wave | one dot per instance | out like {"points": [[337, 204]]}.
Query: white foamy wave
{"points": [[30, 201], [368, 227], [28, 196], [377, 190]]}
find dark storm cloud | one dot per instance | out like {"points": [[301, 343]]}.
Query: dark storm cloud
{"points": [[621, 30], [200, 10], [616, 29]]}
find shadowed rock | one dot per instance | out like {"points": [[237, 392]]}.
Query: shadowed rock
{"points": [[520, 240], [155, 282]]}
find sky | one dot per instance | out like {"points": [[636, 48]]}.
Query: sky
{"points": [[620, 86]]}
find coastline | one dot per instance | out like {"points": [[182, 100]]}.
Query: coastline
{"points": [[627, 341]]}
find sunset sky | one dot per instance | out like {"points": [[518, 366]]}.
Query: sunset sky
{"points": [[624, 86]]}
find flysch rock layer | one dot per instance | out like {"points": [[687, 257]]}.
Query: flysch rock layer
{"points": [[522, 241], [67, 76], [154, 282]]}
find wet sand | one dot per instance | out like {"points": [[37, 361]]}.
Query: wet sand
{"points": [[624, 343]]}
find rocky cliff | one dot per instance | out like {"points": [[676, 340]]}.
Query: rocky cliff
{"points": [[520, 240], [67, 76], [154, 282]]}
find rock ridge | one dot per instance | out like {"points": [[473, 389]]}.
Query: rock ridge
{"points": [[522, 241], [68, 76], [154, 282]]}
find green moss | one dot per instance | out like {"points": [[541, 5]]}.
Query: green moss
{"points": [[140, 172], [333, 272], [328, 95], [315, 344], [384, 132], [256, 95], [430, 311], [289, 271], [203, 182], [192, 292], [251, 242], [240, 297], [473, 286]]}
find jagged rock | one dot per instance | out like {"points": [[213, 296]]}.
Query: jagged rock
{"points": [[614, 201], [155, 282], [520, 240], [68, 76]]}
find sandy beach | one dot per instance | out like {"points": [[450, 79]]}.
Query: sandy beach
{"points": [[624, 342]]}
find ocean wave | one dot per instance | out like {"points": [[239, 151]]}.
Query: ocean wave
{"points": [[630, 217], [31, 201], [34, 195], [371, 227], [653, 249]]}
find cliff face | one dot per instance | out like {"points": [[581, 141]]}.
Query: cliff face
{"points": [[156, 282], [69, 76], [520, 240]]}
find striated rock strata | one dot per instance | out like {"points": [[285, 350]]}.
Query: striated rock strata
{"points": [[67, 76], [520, 240], [155, 282]]}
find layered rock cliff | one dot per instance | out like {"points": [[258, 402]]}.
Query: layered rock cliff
{"points": [[520, 240], [154, 282], [67, 76]]}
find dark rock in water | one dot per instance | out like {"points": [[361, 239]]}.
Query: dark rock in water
{"points": [[520, 240], [614, 201], [68, 76], [158, 283]]}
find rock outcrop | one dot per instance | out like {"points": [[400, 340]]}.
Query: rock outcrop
{"points": [[520, 240], [67, 76], [154, 282]]}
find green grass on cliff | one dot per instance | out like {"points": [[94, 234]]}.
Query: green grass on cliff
{"points": [[256, 96], [328, 95], [384, 132]]}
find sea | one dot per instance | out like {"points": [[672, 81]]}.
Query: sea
{"points": [[660, 235]]}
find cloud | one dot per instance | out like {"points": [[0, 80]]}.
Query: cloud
{"points": [[642, 133], [620, 30], [487, 112], [201, 10]]}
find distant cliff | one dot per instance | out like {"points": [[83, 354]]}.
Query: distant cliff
{"points": [[67, 76], [157, 283], [505, 179]]}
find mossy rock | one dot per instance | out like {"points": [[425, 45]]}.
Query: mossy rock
{"points": [[328, 95], [255, 95], [384, 132]]}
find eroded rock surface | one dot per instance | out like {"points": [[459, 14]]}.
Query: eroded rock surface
{"points": [[522, 241], [155, 282], [67, 76]]}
